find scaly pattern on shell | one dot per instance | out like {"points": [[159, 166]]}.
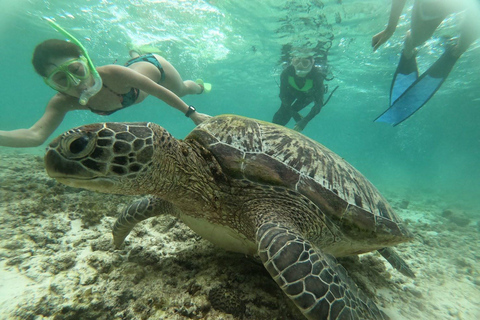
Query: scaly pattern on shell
{"points": [[270, 154]]}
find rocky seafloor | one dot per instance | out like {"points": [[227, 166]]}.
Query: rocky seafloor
{"points": [[57, 261]]}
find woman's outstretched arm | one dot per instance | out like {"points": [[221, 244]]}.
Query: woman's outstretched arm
{"points": [[43, 128]]}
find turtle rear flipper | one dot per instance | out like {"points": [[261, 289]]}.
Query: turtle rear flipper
{"points": [[314, 281], [136, 212], [396, 261]]}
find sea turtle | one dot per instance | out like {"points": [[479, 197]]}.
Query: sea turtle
{"points": [[248, 186]]}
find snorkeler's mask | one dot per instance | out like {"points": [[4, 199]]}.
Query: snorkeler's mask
{"points": [[68, 74], [90, 69], [302, 66]]}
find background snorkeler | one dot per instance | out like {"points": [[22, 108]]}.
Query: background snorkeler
{"points": [[301, 83]]}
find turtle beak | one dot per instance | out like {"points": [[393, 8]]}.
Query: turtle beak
{"points": [[59, 167], [72, 174]]}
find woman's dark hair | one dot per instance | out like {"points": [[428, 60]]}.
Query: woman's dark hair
{"points": [[52, 49]]}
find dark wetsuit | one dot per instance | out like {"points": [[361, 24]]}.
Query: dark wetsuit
{"points": [[296, 93], [129, 98]]}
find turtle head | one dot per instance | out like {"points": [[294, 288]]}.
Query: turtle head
{"points": [[105, 157]]}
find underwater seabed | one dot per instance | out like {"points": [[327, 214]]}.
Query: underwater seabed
{"points": [[57, 261]]}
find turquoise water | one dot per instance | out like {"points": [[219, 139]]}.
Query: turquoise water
{"points": [[236, 45]]}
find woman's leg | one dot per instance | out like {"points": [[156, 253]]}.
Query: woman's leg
{"points": [[301, 103], [283, 115], [421, 27], [173, 81], [469, 30]]}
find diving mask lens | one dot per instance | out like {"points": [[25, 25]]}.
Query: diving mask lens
{"points": [[68, 73], [302, 66]]}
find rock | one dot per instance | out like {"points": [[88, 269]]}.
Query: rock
{"points": [[447, 213], [404, 204], [227, 301], [460, 219]]}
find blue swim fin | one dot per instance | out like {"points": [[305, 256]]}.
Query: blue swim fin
{"points": [[420, 91], [405, 75]]}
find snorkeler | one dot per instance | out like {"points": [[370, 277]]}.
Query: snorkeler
{"points": [[301, 83], [409, 92], [66, 67]]}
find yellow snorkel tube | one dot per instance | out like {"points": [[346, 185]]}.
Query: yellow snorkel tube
{"points": [[93, 90]]}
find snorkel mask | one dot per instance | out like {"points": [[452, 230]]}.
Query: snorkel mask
{"points": [[69, 73], [302, 66], [72, 72]]}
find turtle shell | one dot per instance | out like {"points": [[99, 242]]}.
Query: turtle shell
{"points": [[266, 153]]}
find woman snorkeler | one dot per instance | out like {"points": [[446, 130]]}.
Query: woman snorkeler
{"points": [[66, 67]]}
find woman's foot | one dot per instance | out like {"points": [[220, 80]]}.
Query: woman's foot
{"points": [[136, 51], [206, 87], [133, 54]]}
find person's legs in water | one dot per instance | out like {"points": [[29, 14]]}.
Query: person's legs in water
{"points": [[424, 21], [283, 115], [469, 30], [297, 116], [422, 27], [287, 111], [301, 103], [173, 81], [427, 15]]}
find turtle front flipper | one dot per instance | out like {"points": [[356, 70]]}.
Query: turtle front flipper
{"points": [[313, 280], [136, 212], [396, 261]]}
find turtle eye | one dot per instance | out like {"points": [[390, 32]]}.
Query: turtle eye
{"points": [[78, 145]]}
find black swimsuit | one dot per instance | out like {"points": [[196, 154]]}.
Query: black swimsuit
{"points": [[129, 98]]}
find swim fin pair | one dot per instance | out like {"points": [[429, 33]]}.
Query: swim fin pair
{"points": [[409, 92]]}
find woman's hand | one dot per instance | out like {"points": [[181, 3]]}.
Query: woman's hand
{"points": [[380, 38], [300, 125], [198, 118]]}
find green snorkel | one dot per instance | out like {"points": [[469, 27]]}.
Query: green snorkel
{"points": [[93, 90]]}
